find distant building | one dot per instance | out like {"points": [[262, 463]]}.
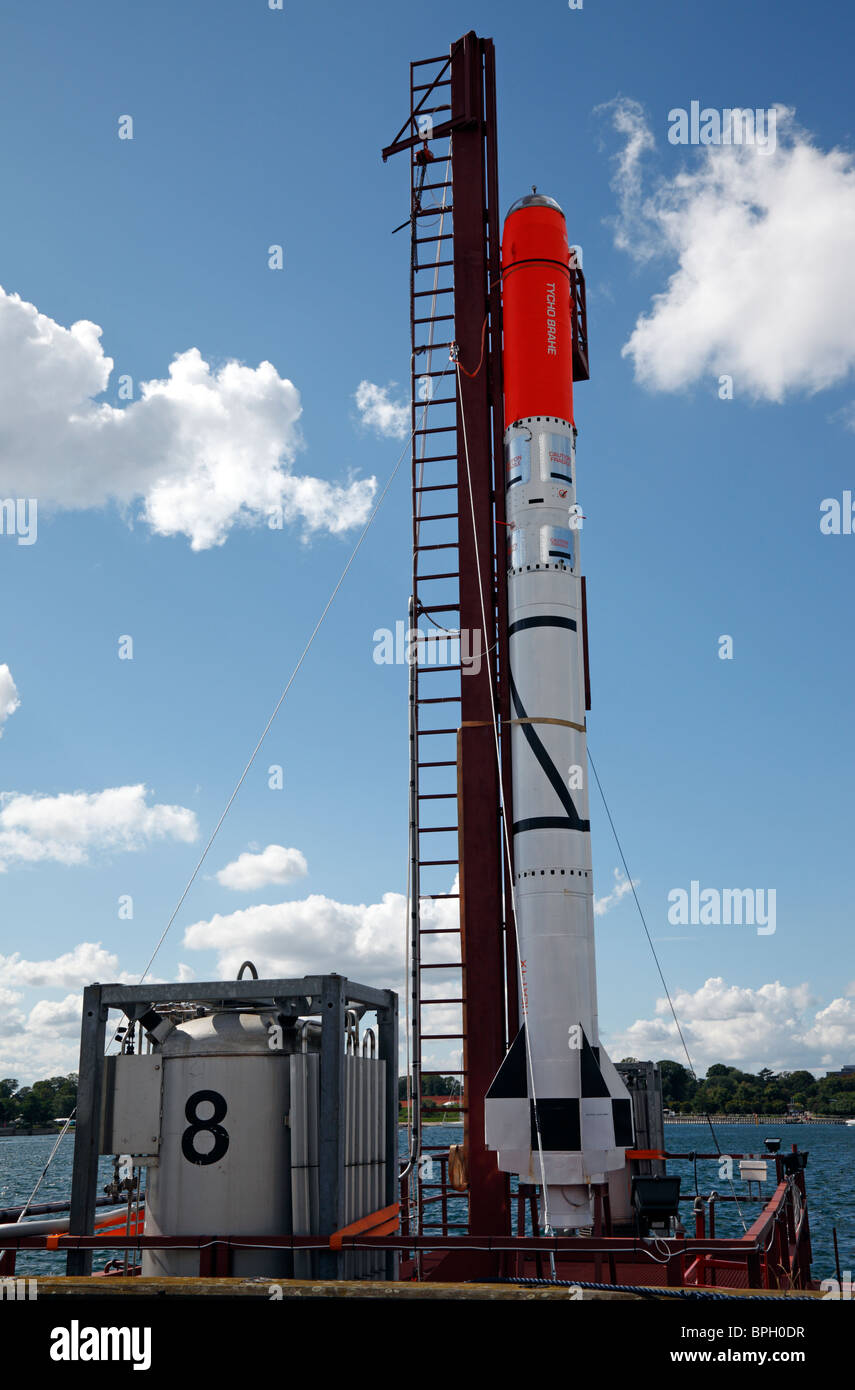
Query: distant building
{"points": [[844, 1071]]}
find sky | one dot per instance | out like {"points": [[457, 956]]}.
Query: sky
{"points": [[206, 423]]}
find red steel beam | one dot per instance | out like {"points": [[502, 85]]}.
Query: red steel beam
{"points": [[500, 540], [481, 859]]}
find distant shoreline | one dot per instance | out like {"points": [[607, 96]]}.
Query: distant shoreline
{"points": [[754, 1120], [402, 1124], [27, 1131]]}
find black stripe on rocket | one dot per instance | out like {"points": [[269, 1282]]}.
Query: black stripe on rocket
{"points": [[522, 623], [560, 1123], [572, 820]]}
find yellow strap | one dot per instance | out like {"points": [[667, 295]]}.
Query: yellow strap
{"points": [[565, 723], [488, 723]]}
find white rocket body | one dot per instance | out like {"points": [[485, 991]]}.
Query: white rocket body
{"points": [[556, 1066]]}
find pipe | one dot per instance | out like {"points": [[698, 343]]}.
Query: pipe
{"points": [[49, 1226], [45, 1208]]}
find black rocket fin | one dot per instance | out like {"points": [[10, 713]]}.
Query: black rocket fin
{"points": [[511, 1080], [594, 1084]]}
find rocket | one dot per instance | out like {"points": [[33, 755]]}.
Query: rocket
{"points": [[557, 1112]]}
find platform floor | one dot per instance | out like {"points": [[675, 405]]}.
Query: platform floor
{"points": [[97, 1287]]}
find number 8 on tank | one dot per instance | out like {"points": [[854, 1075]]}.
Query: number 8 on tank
{"points": [[210, 1126]]}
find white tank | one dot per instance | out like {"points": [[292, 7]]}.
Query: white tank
{"points": [[224, 1163]]}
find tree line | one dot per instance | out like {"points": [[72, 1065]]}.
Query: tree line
{"points": [[727, 1090], [38, 1104], [432, 1086]]}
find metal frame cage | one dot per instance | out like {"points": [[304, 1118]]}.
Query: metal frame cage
{"points": [[327, 997]]}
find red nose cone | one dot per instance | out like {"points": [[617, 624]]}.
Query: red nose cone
{"points": [[537, 312]]}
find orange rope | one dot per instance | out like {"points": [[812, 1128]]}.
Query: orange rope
{"points": [[472, 375]]}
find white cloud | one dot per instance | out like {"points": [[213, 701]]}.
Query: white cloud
{"points": [[87, 961], [764, 289], [623, 885], [379, 413], [313, 935], [56, 1015], [41, 1038], [775, 1026], [9, 700], [833, 1030], [68, 827], [42, 1043], [204, 449], [318, 935], [628, 119], [275, 864]]}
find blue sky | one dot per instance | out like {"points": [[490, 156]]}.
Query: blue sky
{"points": [[255, 127]]}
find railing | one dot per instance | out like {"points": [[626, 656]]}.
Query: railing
{"points": [[774, 1253], [745, 1263]]}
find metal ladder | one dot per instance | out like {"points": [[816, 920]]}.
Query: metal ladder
{"points": [[434, 610]]}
